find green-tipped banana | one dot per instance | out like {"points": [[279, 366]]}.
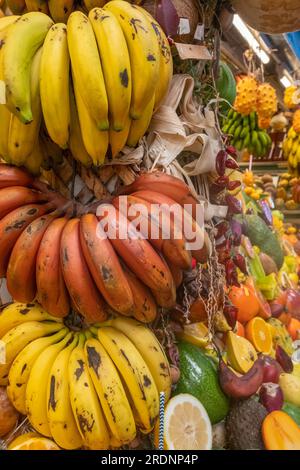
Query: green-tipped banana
{"points": [[25, 37]]}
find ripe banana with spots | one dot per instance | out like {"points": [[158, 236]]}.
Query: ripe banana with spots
{"points": [[37, 386], [150, 349], [76, 143], [22, 138], [116, 66], [81, 286], [85, 404], [54, 84], [136, 375], [104, 265], [37, 5], [143, 51], [51, 289], [61, 420], [86, 68], [21, 367], [21, 271], [60, 10], [24, 38], [17, 313], [18, 337], [110, 391], [95, 140]]}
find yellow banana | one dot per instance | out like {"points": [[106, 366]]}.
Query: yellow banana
{"points": [[110, 391], [60, 10], [143, 51], [289, 144], [5, 116], [60, 415], [89, 4], [86, 67], [7, 21], [95, 141], [37, 385], [136, 375], [165, 61], [16, 313], [76, 144], [24, 38], [84, 401], [22, 137], [118, 140], [294, 147], [115, 64], [21, 367], [54, 84], [37, 5], [150, 349], [298, 154], [18, 337], [139, 127], [35, 159]]}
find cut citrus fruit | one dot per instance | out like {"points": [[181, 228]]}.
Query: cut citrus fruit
{"points": [[32, 441], [187, 425], [258, 333], [240, 352], [196, 333]]}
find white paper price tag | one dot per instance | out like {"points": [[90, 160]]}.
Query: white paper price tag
{"points": [[199, 33], [184, 26]]}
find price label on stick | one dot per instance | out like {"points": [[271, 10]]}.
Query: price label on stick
{"points": [[184, 26]]}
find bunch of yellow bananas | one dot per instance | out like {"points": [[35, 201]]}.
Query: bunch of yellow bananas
{"points": [[291, 148], [95, 81], [91, 389]]}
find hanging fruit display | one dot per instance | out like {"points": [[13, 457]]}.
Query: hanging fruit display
{"points": [[119, 76], [149, 294]]}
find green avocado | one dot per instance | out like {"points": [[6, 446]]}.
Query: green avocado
{"points": [[199, 378]]}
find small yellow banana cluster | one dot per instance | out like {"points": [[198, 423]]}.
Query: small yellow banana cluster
{"points": [[94, 82], [291, 148], [90, 389]]}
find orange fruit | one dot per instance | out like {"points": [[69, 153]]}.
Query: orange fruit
{"points": [[258, 333], [245, 299], [294, 329], [32, 441], [239, 329]]}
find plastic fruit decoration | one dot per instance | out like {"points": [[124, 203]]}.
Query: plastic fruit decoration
{"points": [[8, 415], [280, 432], [258, 333], [293, 303], [245, 299], [198, 311], [240, 352]]}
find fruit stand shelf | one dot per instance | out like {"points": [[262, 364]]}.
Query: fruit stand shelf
{"points": [[266, 167]]}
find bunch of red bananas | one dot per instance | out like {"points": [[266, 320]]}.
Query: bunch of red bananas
{"points": [[62, 254]]}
